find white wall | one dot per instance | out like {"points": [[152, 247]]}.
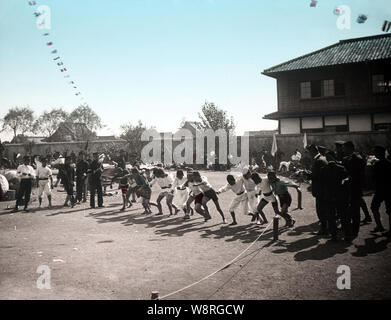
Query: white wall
{"points": [[312, 123], [335, 121], [360, 122], [290, 126]]}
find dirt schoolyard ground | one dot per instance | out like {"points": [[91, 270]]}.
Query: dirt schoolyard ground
{"points": [[108, 254]]}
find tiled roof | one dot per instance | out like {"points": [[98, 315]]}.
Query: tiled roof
{"points": [[344, 52]]}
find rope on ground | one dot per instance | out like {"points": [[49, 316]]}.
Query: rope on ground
{"points": [[220, 269]]}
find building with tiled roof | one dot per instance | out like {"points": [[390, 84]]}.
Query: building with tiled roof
{"points": [[345, 87]]}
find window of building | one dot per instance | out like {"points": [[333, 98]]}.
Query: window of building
{"points": [[328, 88], [336, 128], [381, 83], [321, 88], [305, 90]]}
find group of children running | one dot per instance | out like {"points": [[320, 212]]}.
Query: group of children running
{"points": [[251, 193]]}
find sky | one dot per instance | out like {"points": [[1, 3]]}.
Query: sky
{"points": [[158, 61]]}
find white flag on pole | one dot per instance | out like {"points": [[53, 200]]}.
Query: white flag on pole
{"points": [[274, 145], [305, 140]]}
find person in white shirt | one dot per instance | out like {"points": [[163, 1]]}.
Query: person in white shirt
{"points": [[195, 195], [165, 183], [250, 186], [26, 174], [240, 199], [45, 182], [180, 194], [264, 190]]}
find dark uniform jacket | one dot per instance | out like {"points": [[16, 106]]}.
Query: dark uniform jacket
{"points": [[332, 176], [382, 176], [355, 165], [316, 180], [81, 168], [95, 171]]}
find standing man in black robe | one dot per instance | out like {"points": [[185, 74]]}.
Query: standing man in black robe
{"points": [[81, 176], [96, 170], [355, 166], [318, 162], [382, 178]]}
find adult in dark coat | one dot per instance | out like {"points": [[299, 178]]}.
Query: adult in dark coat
{"points": [[355, 165], [318, 162], [333, 194], [81, 176], [96, 170], [382, 178]]}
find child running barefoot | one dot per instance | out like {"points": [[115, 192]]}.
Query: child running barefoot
{"points": [[280, 189], [237, 187], [181, 193], [165, 183], [264, 190], [124, 187], [195, 195], [142, 190], [208, 192]]}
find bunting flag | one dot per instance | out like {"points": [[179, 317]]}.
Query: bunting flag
{"points": [[313, 3], [37, 14], [337, 12], [362, 18], [386, 26]]}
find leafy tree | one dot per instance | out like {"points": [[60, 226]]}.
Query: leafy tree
{"points": [[85, 114], [132, 134], [49, 121], [212, 117], [19, 120]]}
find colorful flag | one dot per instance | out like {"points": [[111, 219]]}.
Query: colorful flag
{"points": [[56, 58], [362, 18], [71, 82], [313, 3], [63, 70], [50, 44], [274, 145], [54, 51], [60, 64], [37, 14], [386, 26], [337, 12], [32, 3]]}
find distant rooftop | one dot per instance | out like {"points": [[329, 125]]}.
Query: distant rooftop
{"points": [[344, 52]]}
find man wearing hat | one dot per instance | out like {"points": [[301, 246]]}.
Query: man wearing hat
{"points": [[318, 162], [96, 170], [355, 166], [26, 174], [382, 178]]}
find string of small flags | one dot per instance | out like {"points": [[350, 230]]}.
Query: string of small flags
{"points": [[57, 59], [362, 18]]}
